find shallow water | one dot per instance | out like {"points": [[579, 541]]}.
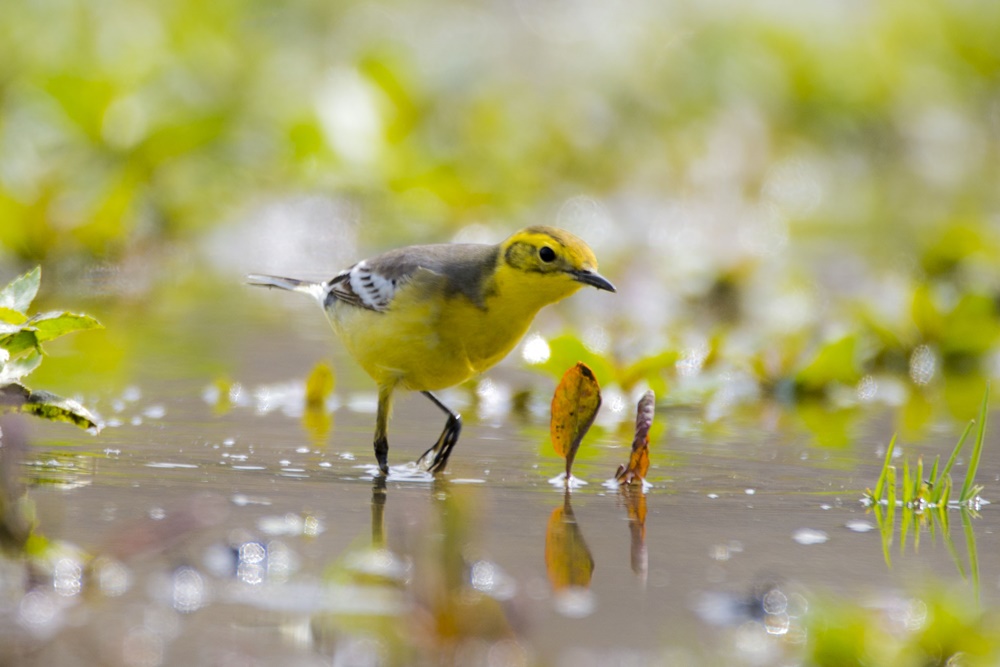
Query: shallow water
{"points": [[233, 530]]}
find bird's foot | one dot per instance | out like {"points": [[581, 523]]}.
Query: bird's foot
{"points": [[435, 459]]}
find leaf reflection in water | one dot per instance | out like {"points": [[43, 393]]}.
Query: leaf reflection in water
{"points": [[568, 562]]}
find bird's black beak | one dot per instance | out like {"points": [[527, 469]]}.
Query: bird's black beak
{"points": [[593, 279]]}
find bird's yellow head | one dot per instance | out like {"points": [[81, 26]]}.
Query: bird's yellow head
{"points": [[552, 262]]}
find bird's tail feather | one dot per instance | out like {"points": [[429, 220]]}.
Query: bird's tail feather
{"points": [[313, 289]]}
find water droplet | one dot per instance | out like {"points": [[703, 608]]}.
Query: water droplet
{"points": [[188, 590], [809, 536], [575, 602], [859, 526], [67, 577], [155, 412]]}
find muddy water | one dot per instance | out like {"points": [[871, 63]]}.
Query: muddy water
{"points": [[231, 529]]}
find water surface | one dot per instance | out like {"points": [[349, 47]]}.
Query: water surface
{"points": [[231, 527]]}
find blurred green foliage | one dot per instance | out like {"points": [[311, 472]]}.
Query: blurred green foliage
{"points": [[21, 338], [126, 122], [942, 627]]}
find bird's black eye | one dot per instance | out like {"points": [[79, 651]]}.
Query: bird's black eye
{"points": [[546, 254]]}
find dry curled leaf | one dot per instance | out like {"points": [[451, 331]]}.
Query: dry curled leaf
{"points": [[574, 406], [638, 463]]}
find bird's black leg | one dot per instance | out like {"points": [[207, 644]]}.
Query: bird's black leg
{"points": [[381, 429], [449, 436], [382, 453]]}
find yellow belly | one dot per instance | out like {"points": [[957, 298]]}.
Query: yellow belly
{"points": [[426, 341], [418, 348]]}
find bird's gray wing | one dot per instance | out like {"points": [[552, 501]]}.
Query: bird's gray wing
{"points": [[373, 283]]}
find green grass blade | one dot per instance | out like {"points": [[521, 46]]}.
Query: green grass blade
{"points": [[907, 485], [958, 448], [918, 482], [880, 485], [977, 449], [935, 483], [890, 484]]}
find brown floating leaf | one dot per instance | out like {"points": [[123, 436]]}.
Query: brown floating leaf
{"points": [[574, 406], [567, 558], [638, 463]]}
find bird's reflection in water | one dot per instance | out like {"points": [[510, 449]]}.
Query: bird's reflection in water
{"points": [[455, 605]]}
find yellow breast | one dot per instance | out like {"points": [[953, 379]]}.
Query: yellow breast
{"points": [[428, 341]]}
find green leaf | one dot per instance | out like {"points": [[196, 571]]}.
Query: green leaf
{"points": [[46, 405], [21, 291], [567, 350], [880, 485], [9, 316], [926, 314], [18, 368], [55, 408], [958, 448], [652, 370], [9, 329], [968, 489], [971, 327], [835, 362], [53, 325], [19, 341]]}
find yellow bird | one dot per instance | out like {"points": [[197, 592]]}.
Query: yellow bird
{"points": [[428, 317]]}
